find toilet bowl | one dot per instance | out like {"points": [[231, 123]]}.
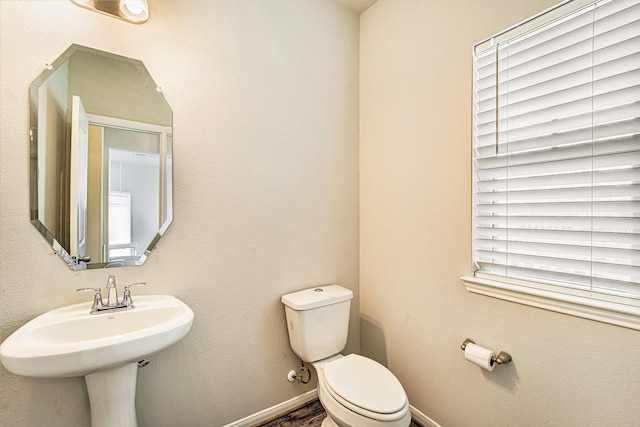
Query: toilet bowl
{"points": [[358, 392], [355, 391]]}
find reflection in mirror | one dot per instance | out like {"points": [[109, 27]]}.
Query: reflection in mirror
{"points": [[101, 159]]}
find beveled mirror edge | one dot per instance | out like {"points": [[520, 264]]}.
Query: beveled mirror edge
{"points": [[33, 142], [57, 247]]}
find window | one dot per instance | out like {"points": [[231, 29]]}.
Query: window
{"points": [[556, 157]]}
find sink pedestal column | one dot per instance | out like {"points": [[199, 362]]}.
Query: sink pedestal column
{"points": [[112, 396]]}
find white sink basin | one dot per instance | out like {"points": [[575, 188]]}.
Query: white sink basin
{"points": [[71, 342]]}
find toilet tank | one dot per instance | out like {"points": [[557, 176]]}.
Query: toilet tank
{"points": [[318, 321]]}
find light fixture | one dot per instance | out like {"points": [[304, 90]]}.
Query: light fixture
{"points": [[135, 11]]}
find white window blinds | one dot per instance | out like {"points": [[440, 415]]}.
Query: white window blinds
{"points": [[556, 143]]}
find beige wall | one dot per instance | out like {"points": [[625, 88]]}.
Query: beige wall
{"points": [[415, 229], [265, 103]]}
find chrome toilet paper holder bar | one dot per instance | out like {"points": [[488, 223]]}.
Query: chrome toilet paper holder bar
{"points": [[502, 357]]}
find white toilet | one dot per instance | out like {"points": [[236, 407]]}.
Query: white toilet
{"points": [[354, 390]]}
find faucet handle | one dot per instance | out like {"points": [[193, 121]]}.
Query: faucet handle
{"points": [[97, 297], [126, 297], [96, 290], [126, 287]]}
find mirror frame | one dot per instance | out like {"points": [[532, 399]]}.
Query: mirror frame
{"points": [[166, 158]]}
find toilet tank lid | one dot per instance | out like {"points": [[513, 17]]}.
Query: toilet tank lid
{"points": [[317, 297]]}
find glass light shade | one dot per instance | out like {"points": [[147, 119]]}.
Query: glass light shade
{"points": [[134, 11]]}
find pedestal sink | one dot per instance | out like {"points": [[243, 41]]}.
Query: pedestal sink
{"points": [[105, 348]]}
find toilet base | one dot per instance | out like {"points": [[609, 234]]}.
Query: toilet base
{"points": [[328, 422]]}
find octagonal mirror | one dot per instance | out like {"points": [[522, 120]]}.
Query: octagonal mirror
{"points": [[101, 159]]}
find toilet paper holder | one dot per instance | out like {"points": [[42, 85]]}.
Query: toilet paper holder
{"points": [[502, 357]]}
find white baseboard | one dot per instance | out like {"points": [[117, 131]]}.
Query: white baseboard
{"points": [[274, 411], [422, 418], [310, 396]]}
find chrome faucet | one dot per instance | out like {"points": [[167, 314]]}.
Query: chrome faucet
{"points": [[112, 297]]}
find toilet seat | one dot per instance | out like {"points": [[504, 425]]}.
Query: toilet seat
{"points": [[365, 387]]}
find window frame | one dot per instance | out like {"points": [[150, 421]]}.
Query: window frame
{"points": [[611, 309], [603, 308]]}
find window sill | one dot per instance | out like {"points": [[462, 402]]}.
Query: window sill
{"points": [[614, 313]]}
